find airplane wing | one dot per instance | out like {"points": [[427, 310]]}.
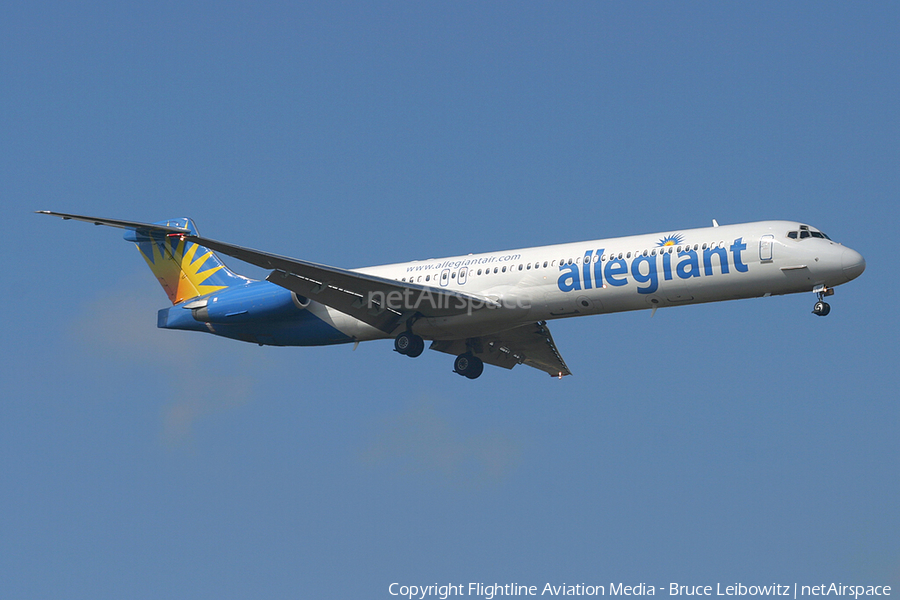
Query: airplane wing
{"points": [[380, 302], [529, 344]]}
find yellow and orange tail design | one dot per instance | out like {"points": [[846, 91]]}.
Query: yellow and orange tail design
{"points": [[185, 270]]}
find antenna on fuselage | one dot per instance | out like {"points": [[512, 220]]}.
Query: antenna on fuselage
{"points": [[715, 223]]}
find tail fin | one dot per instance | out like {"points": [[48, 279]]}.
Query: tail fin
{"points": [[185, 270]]}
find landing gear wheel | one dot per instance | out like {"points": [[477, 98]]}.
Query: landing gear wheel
{"points": [[821, 309], [468, 365], [409, 344], [417, 347]]}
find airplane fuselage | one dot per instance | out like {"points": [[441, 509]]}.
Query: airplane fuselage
{"points": [[490, 308], [551, 282]]}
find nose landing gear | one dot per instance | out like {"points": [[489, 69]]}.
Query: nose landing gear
{"points": [[822, 308]]}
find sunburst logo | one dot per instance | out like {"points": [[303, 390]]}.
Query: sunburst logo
{"points": [[178, 268], [671, 240]]}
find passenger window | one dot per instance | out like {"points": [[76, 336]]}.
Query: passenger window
{"points": [[545, 264], [504, 269]]}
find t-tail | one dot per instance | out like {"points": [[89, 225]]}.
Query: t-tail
{"points": [[184, 269]]}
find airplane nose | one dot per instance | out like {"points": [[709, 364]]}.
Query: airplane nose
{"points": [[854, 264]]}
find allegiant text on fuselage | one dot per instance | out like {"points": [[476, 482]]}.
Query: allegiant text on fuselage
{"points": [[645, 268]]}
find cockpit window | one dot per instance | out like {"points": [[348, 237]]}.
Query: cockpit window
{"points": [[807, 232]]}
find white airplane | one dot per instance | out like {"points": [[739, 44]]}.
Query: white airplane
{"points": [[483, 308]]}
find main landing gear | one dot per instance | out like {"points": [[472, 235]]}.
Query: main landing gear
{"points": [[468, 365], [409, 344], [822, 308]]}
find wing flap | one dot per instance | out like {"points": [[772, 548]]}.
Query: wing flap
{"points": [[529, 344]]}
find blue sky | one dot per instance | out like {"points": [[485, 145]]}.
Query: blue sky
{"points": [[743, 442]]}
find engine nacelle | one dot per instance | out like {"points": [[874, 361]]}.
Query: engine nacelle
{"points": [[257, 300]]}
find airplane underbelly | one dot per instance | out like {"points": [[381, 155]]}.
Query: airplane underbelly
{"points": [[349, 326], [557, 304], [676, 291]]}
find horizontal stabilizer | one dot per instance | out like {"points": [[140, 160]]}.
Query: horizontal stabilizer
{"points": [[184, 269], [134, 225]]}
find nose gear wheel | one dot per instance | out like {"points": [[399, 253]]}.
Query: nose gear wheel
{"points": [[822, 308]]}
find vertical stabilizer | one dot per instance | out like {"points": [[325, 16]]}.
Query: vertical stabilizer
{"points": [[184, 269]]}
